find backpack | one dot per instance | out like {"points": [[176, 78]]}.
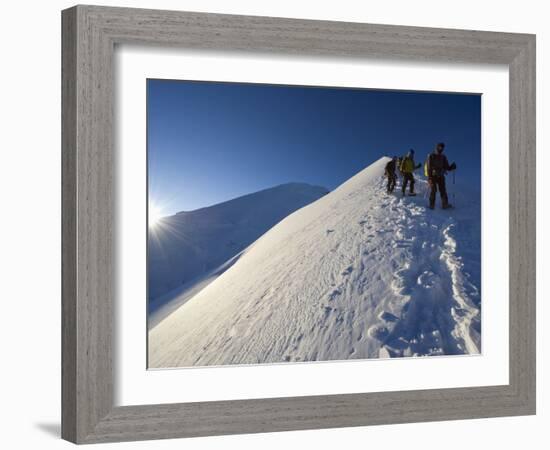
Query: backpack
{"points": [[426, 163], [437, 163], [407, 165]]}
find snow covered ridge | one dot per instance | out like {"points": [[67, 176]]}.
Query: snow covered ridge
{"points": [[188, 245], [356, 274]]}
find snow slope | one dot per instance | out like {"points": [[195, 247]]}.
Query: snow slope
{"points": [[188, 245], [356, 274]]}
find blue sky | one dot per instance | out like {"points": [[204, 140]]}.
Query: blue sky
{"points": [[209, 142]]}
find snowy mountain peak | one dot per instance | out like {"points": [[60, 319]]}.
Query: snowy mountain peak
{"points": [[369, 175], [356, 274], [189, 244], [282, 192]]}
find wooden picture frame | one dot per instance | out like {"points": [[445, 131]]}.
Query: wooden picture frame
{"points": [[90, 34]]}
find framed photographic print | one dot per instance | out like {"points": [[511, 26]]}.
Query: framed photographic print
{"points": [[266, 222]]}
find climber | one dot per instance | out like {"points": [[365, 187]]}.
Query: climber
{"points": [[390, 174], [407, 167], [436, 167]]}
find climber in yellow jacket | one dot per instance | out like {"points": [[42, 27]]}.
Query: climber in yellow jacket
{"points": [[407, 167]]}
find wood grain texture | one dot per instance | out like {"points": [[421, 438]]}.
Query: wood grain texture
{"points": [[68, 226], [522, 187], [89, 37]]}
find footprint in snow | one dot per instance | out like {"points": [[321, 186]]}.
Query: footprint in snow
{"points": [[427, 279], [334, 294], [378, 332], [347, 271], [388, 316]]}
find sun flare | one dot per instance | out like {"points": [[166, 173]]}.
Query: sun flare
{"points": [[155, 215]]}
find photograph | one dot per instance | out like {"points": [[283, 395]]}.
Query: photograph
{"points": [[296, 224]]}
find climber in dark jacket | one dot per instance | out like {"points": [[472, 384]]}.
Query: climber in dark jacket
{"points": [[437, 166], [390, 174]]}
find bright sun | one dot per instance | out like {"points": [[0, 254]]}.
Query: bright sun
{"points": [[154, 215]]}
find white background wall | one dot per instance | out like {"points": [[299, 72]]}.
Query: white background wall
{"points": [[30, 221]]}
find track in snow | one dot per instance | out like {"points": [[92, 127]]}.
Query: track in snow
{"points": [[436, 307], [356, 274]]}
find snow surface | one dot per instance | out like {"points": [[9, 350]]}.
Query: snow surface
{"points": [[185, 247], [356, 274]]}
